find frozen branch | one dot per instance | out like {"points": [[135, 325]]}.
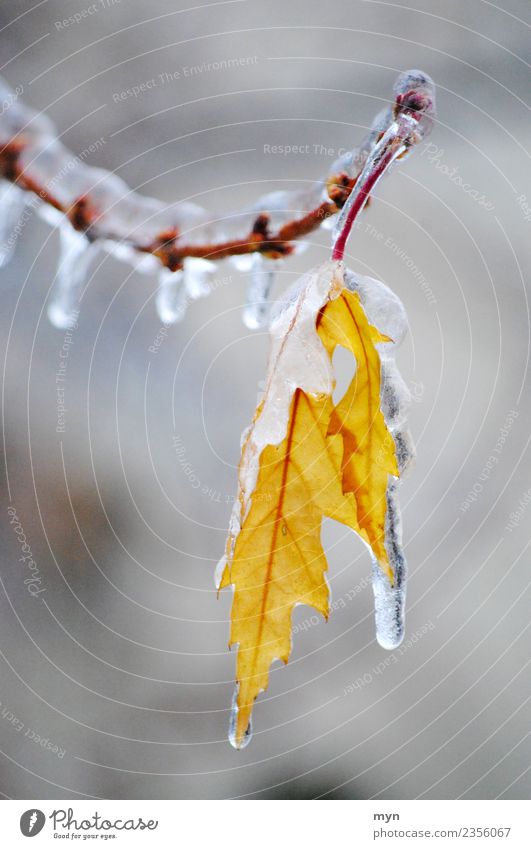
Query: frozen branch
{"points": [[97, 208]]}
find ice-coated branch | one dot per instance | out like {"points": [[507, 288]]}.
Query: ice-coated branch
{"points": [[410, 121], [96, 208]]}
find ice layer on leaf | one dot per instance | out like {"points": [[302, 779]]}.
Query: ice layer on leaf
{"points": [[385, 311], [297, 360], [312, 459]]}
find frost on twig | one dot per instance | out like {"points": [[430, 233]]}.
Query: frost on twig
{"points": [[144, 231]]}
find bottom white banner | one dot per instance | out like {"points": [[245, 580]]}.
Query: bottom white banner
{"points": [[257, 824]]}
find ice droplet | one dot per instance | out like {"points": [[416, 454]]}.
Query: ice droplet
{"points": [[415, 91], [329, 223], [12, 205], [242, 263], [257, 307], [76, 253], [171, 297], [196, 274], [247, 737]]}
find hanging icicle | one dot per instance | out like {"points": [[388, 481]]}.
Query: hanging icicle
{"points": [[258, 305], [12, 205], [390, 599], [233, 726], [171, 297], [197, 273], [75, 256]]}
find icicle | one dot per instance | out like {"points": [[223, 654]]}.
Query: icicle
{"points": [[74, 259], [172, 297], [50, 214], [390, 601], [232, 726], [257, 307], [389, 605], [12, 205], [196, 274], [242, 263]]}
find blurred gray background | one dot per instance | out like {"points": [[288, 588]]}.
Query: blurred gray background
{"points": [[123, 661]]}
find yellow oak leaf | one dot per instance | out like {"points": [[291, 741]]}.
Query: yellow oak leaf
{"points": [[370, 455], [320, 466], [278, 559]]}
